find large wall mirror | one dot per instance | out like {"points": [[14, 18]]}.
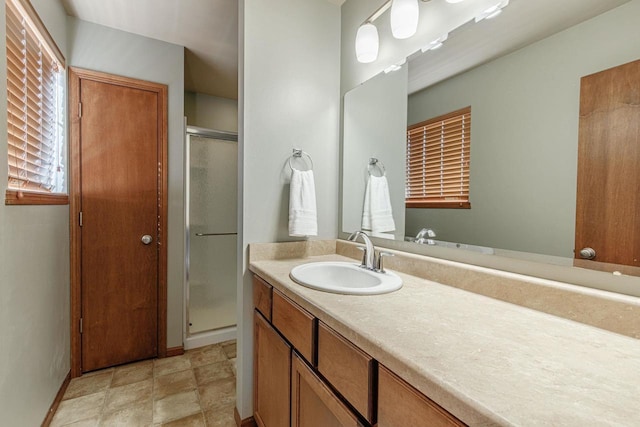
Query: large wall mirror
{"points": [[524, 144]]}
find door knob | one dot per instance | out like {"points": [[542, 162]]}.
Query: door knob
{"points": [[587, 253], [146, 239]]}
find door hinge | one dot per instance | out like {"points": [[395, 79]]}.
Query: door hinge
{"points": [[80, 218], [79, 109], [81, 325]]}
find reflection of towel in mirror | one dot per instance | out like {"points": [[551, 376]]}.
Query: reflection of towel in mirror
{"points": [[376, 214], [302, 204]]}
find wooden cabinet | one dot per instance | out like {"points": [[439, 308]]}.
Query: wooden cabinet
{"points": [[349, 370], [400, 405], [308, 375], [272, 375], [313, 404]]}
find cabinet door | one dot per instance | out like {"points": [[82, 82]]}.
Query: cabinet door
{"points": [[272, 375], [400, 405], [313, 404]]}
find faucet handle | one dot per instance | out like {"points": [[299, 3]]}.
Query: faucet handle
{"points": [[379, 264]]}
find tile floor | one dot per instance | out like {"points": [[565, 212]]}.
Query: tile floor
{"points": [[195, 389]]}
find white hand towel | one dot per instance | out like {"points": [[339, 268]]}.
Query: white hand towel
{"points": [[377, 214], [302, 204]]}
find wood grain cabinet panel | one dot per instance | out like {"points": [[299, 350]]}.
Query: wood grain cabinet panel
{"points": [[262, 292], [272, 375], [294, 323], [348, 369], [313, 404], [401, 405]]}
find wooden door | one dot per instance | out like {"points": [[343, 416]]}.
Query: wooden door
{"points": [[120, 197], [271, 374], [313, 404], [608, 194]]}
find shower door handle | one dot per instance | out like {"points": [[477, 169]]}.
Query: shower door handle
{"points": [[216, 234], [146, 239]]}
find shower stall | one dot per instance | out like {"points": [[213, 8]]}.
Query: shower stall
{"points": [[211, 194]]}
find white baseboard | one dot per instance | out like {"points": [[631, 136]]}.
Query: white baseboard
{"points": [[210, 337]]}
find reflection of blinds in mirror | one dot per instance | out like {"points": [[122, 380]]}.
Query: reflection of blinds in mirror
{"points": [[34, 102], [438, 157]]}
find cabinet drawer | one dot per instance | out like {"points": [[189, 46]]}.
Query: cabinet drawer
{"points": [[348, 369], [262, 296], [399, 405], [295, 323], [313, 404]]}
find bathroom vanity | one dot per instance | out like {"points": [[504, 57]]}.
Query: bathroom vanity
{"points": [[434, 354], [302, 366]]}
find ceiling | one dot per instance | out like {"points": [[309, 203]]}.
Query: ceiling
{"points": [[207, 28]]}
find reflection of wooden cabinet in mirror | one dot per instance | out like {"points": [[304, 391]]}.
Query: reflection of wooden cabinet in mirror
{"points": [[609, 169]]}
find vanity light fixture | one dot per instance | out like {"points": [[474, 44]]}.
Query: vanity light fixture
{"points": [[367, 43], [404, 18], [493, 11], [435, 44]]}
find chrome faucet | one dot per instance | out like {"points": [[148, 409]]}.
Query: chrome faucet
{"points": [[420, 237], [370, 260]]}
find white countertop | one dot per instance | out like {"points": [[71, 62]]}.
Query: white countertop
{"points": [[486, 361]]}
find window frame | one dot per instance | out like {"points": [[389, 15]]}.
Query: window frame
{"points": [[25, 11], [424, 198]]}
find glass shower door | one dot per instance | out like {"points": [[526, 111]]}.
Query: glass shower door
{"points": [[211, 239]]}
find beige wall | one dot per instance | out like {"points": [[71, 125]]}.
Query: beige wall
{"points": [[34, 281], [524, 136], [211, 112], [100, 48], [289, 97]]}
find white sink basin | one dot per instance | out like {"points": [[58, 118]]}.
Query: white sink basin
{"points": [[345, 278]]}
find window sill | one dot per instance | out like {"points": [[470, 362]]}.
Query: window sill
{"points": [[17, 197], [438, 205]]}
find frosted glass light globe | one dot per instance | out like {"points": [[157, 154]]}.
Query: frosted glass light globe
{"points": [[404, 18], [367, 43]]}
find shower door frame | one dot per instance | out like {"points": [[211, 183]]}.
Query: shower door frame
{"points": [[205, 133]]}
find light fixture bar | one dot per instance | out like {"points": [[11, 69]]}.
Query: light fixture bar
{"points": [[382, 9], [375, 15]]}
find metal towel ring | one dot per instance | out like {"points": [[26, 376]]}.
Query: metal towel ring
{"points": [[297, 153], [373, 162]]}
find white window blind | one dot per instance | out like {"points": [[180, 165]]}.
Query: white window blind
{"points": [[35, 101], [438, 158]]}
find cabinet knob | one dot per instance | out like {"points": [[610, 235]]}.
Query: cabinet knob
{"points": [[587, 253]]}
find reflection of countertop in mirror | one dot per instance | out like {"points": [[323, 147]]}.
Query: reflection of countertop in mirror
{"points": [[486, 361]]}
